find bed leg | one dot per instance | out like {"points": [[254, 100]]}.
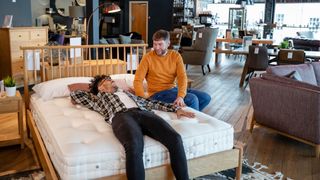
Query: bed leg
{"points": [[239, 168]]}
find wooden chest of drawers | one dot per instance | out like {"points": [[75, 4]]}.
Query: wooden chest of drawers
{"points": [[11, 57]]}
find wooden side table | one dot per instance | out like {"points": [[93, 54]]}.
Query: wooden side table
{"points": [[11, 105]]}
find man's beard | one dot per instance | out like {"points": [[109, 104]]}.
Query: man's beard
{"points": [[161, 52]]}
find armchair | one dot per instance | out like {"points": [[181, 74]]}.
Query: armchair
{"points": [[290, 56], [200, 53], [287, 106]]}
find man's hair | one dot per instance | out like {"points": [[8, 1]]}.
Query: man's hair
{"points": [[94, 83], [161, 35]]}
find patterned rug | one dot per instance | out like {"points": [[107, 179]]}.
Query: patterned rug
{"points": [[249, 172]]}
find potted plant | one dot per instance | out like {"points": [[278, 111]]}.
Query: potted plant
{"points": [[284, 44], [10, 86]]}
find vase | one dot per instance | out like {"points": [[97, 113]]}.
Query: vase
{"points": [[11, 91]]}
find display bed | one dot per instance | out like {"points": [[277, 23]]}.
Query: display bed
{"points": [[73, 142], [82, 145]]}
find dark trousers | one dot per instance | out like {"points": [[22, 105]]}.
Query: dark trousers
{"points": [[130, 126]]}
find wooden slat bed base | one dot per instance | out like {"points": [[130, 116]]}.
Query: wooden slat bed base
{"points": [[197, 167]]}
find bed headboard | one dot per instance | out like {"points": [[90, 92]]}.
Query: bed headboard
{"points": [[43, 63]]}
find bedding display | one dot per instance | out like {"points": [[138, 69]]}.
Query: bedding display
{"points": [[81, 144]]}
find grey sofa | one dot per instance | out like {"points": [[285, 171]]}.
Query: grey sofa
{"points": [[288, 106]]}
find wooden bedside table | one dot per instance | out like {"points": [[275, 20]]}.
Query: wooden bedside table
{"points": [[11, 105]]}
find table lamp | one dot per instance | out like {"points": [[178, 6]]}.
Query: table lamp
{"points": [[77, 12]]}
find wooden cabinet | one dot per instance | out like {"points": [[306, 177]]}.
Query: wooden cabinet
{"points": [[183, 12], [11, 57]]}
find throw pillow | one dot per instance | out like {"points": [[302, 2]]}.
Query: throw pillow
{"points": [[113, 41], [125, 39], [79, 86], [103, 41], [294, 75]]}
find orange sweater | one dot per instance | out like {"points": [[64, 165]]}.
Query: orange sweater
{"points": [[161, 73]]}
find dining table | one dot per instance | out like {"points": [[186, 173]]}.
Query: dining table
{"points": [[219, 49]]}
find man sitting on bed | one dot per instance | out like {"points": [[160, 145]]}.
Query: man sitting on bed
{"points": [[131, 117]]}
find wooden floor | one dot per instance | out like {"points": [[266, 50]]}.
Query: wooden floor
{"points": [[230, 104]]}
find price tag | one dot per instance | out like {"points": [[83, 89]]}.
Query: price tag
{"points": [[200, 35], [289, 55], [256, 50]]}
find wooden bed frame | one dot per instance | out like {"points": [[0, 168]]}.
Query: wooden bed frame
{"points": [[104, 63]]}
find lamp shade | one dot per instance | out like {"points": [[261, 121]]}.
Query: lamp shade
{"points": [[76, 11], [113, 8]]}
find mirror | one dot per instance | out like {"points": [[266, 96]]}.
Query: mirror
{"points": [[63, 6]]}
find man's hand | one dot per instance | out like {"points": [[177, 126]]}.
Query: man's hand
{"points": [[179, 102], [182, 112]]}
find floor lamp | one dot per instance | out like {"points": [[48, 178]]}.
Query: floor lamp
{"points": [[111, 8]]}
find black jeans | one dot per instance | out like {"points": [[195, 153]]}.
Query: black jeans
{"points": [[130, 126]]}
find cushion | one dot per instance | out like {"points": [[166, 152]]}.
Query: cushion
{"points": [[103, 41], [288, 81], [129, 78], [79, 86], [316, 67], [120, 82], [113, 41], [294, 75], [58, 87], [306, 71], [125, 39]]}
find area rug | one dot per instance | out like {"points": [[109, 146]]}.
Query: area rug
{"points": [[249, 172]]}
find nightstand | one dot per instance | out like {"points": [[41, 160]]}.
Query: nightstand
{"points": [[13, 105]]}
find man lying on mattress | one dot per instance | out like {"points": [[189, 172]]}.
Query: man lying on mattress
{"points": [[131, 117]]}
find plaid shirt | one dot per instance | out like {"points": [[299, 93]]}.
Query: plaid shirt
{"points": [[108, 104]]}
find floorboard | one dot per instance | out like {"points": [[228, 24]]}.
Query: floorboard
{"points": [[230, 104]]}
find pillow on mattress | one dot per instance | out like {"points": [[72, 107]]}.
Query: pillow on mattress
{"points": [[121, 83], [58, 87], [129, 78], [79, 86]]}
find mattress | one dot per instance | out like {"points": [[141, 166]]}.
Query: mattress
{"points": [[81, 144]]}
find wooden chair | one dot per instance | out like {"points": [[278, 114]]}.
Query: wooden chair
{"points": [[257, 60]]}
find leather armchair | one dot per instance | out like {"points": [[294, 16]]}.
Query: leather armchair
{"points": [[200, 53]]}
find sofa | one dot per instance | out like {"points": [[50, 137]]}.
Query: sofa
{"points": [[305, 44], [286, 99], [127, 38]]}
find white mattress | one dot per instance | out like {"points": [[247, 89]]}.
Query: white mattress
{"points": [[81, 144]]}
